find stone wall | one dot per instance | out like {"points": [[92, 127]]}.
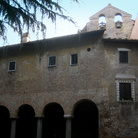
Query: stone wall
{"points": [[93, 78]]}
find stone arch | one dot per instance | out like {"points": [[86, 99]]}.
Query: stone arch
{"points": [[85, 123], [25, 110], [4, 111], [102, 21], [26, 122], [22, 102], [118, 17], [53, 122], [102, 15], [5, 123]]}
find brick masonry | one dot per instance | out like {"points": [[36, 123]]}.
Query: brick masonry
{"points": [[36, 84]]}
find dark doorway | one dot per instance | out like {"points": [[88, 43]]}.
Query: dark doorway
{"points": [[53, 122], [26, 123], [85, 121], [5, 123]]}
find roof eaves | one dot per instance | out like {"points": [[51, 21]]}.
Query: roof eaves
{"points": [[76, 37], [120, 40]]}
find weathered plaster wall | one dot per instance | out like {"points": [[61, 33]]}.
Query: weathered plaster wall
{"points": [[123, 115], [64, 84]]}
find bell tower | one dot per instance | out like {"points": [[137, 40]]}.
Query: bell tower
{"points": [[117, 23]]}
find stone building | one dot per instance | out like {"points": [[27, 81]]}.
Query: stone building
{"points": [[77, 86]]}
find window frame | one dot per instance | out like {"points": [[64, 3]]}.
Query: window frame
{"points": [[12, 70], [52, 65], [132, 83], [123, 57], [71, 59], [121, 50]]}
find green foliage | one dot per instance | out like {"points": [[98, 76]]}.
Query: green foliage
{"points": [[20, 13], [126, 98]]}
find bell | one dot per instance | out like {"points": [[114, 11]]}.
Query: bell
{"points": [[118, 24], [102, 25]]}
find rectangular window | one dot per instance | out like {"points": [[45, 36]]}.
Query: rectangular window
{"points": [[123, 56], [74, 59], [125, 91], [12, 66], [52, 61]]}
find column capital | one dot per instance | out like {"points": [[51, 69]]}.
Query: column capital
{"points": [[68, 116]]}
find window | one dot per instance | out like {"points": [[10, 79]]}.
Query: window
{"points": [[125, 87], [11, 66], [52, 61], [123, 56], [74, 59], [125, 91]]}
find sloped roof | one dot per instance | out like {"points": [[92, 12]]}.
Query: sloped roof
{"points": [[120, 40], [53, 43]]}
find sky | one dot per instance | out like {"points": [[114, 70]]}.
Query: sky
{"points": [[80, 12]]}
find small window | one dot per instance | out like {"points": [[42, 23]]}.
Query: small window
{"points": [[125, 91], [123, 56], [74, 59], [52, 61], [12, 66]]}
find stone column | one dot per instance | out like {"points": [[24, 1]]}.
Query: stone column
{"points": [[68, 125], [39, 127], [13, 127]]}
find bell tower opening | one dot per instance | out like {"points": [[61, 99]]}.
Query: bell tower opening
{"points": [[118, 20], [102, 22]]}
